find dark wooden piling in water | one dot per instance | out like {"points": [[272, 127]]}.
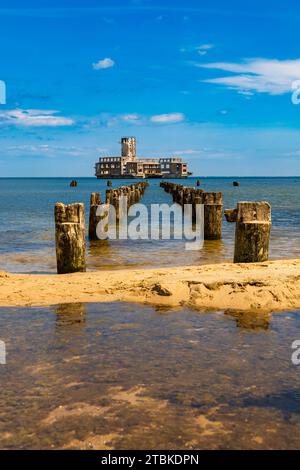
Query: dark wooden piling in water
{"points": [[252, 231], [95, 201], [133, 193], [212, 201], [213, 215], [70, 237]]}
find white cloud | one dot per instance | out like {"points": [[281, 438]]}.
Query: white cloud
{"points": [[103, 64], [204, 48], [167, 118], [33, 118], [185, 152], [203, 154], [245, 93], [211, 154], [131, 117], [295, 153], [49, 150], [257, 75]]}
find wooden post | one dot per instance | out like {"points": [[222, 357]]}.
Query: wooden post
{"points": [[95, 201], [115, 202], [213, 215], [230, 215], [179, 197], [252, 232], [108, 196], [197, 199], [70, 238]]}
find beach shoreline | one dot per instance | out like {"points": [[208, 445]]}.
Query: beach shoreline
{"points": [[269, 286]]}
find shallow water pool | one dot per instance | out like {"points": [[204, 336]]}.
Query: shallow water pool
{"points": [[122, 376]]}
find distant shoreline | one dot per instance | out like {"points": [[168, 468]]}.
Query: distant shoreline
{"points": [[129, 179]]}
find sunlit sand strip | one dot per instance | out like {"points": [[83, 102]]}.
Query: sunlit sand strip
{"points": [[270, 286]]}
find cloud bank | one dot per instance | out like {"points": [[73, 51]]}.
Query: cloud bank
{"points": [[271, 76], [167, 118], [33, 118]]}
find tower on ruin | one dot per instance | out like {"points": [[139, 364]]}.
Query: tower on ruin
{"points": [[128, 145]]}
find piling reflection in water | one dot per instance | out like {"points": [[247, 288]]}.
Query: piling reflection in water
{"points": [[126, 376], [252, 320], [70, 315], [115, 254]]}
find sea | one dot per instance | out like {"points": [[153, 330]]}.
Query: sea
{"points": [[27, 236]]}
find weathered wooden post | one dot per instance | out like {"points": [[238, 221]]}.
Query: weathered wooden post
{"points": [[108, 196], [138, 195], [70, 237], [196, 199], [115, 201], [252, 231], [95, 201], [213, 215], [131, 197], [187, 196]]}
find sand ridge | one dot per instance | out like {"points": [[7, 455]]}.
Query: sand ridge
{"points": [[273, 285]]}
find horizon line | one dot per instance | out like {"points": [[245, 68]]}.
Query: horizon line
{"points": [[190, 177]]}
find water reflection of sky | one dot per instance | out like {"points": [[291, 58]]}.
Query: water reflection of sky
{"points": [[126, 376]]}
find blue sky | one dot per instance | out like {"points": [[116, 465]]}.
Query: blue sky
{"points": [[208, 80]]}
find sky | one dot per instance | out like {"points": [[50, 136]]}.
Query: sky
{"points": [[212, 81]]}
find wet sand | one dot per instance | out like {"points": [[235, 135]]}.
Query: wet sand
{"points": [[271, 286]]}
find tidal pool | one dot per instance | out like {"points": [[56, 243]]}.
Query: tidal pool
{"points": [[122, 376]]}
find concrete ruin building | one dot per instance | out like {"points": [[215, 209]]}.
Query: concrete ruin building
{"points": [[129, 166]]}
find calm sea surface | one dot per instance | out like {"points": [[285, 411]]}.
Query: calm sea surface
{"points": [[133, 377], [27, 229]]}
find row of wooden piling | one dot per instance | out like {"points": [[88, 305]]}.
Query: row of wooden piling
{"points": [[212, 201], [133, 193], [70, 225], [252, 219]]}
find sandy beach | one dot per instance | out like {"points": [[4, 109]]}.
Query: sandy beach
{"points": [[272, 286]]}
